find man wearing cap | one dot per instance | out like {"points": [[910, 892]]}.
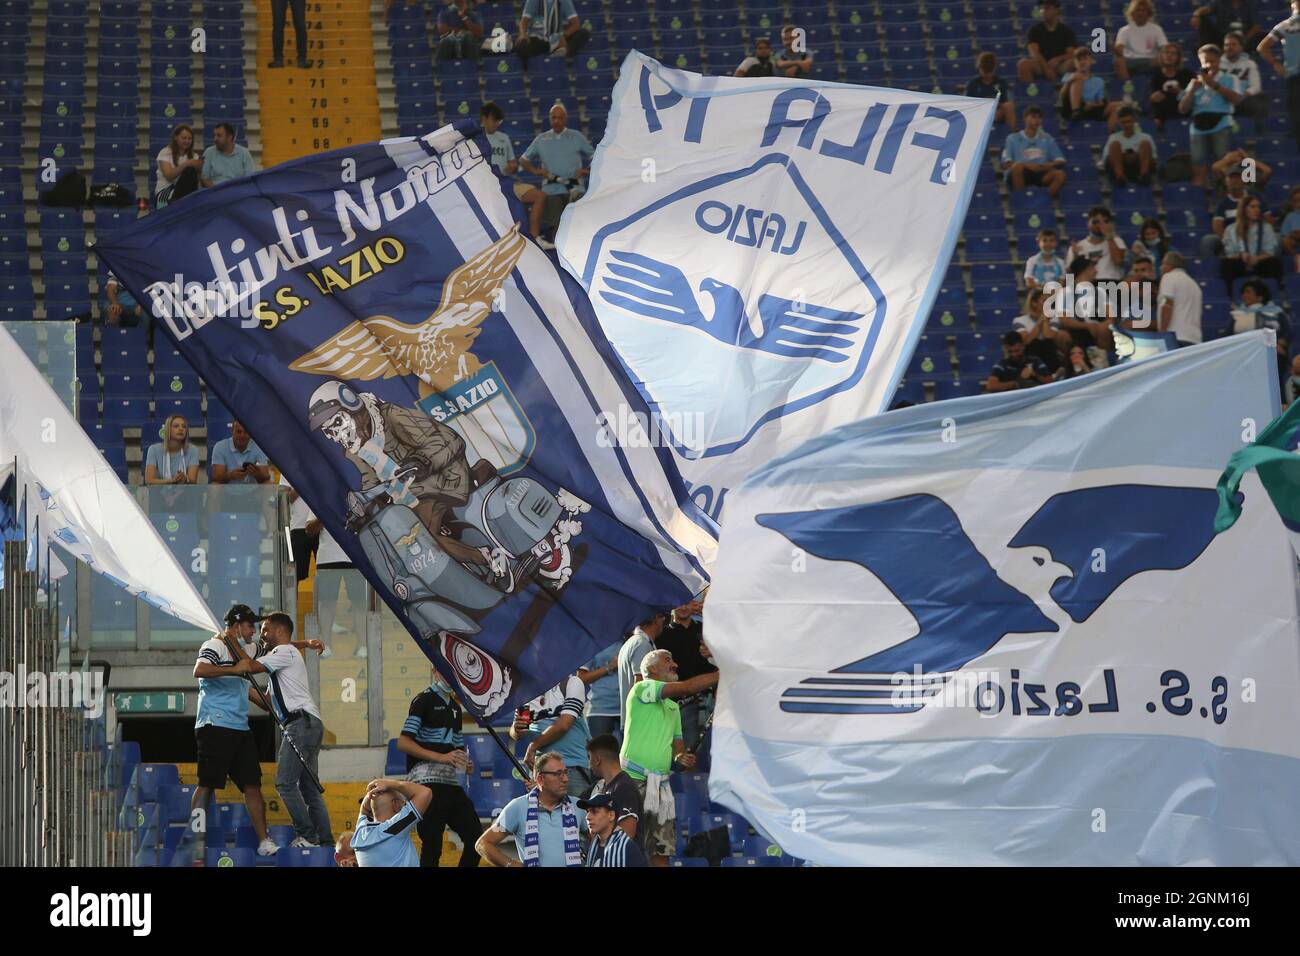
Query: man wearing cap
{"points": [[610, 845], [296, 711], [224, 742]]}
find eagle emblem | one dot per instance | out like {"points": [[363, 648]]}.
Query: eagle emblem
{"points": [[437, 350]]}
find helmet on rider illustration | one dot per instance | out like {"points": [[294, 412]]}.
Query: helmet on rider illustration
{"points": [[331, 410]]}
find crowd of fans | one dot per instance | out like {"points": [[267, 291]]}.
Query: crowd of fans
{"points": [[1068, 333], [601, 747]]}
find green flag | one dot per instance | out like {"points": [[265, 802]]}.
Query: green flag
{"points": [[1273, 455]]}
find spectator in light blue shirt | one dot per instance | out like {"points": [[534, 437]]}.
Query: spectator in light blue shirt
{"points": [[172, 461], [603, 704], [1130, 154], [1032, 158], [547, 25], [390, 811], [1209, 99], [1287, 33], [553, 806], [1083, 95], [557, 155], [238, 459], [225, 159]]}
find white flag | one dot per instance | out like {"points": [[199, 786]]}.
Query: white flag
{"points": [[763, 254], [1002, 630], [74, 499]]}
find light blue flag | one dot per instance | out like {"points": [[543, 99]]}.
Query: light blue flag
{"points": [[1001, 630]]}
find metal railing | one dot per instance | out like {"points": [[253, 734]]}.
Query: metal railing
{"points": [[58, 797]]}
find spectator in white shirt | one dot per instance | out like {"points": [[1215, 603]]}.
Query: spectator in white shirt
{"points": [[179, 167], [290, 698], [1239, 64], [1137, 41], [303, 542], [1180, 301]]}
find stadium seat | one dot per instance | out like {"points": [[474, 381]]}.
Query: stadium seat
{"points": [[150, 778], [318, 856], [686, 861], [395, 764], [239, 857], [764, 861]]}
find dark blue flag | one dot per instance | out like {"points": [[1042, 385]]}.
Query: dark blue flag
{"points": [[439, 394]]}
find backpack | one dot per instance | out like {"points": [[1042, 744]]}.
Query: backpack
{"points": [[713, 845], [70, 191]]}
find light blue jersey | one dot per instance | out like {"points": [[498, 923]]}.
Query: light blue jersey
{"points": [[224, 453], [1287, 33], [168, 464], [602, 695], [513, 819], [1020, 148], [562, 153], [546, 18], [503, 151], [388, 843], [223, 701], [219, 166], [567, 697], [1206, 100]]}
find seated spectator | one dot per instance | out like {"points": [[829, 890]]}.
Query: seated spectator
{"points": [[1077, 363], [435, 752], [1101, 246], [1289, 229], [557, 725], [1130, 153], [1084, 314], [179, 166], [173, 461], [503, 158], [225, 159], [238, 459], [1209, 99], [547, 25], [382, 836], [1179, 304], [1287, 33], [1050, 44], [653, 745], [795, 59], [1042, 334], [1167, 84], [1032, 158], [344, 855], [545, 822], [559, 156], [1239, 64], [120, 307], [1219, 17], [1240, 159], [988, 85], [761, 63], [1138, 41], [610, 845], [1083, 94], [1225, 214], [1250, 247], [1152, 242], [1016, 370], [1045, 265], [612, 779], [460, 33], [1258, 311]]}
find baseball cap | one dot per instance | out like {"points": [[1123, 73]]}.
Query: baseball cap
{"points": [[596, 802], [241, 614]]}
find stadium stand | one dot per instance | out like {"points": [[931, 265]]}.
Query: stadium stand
{"points": [[98, 87]]}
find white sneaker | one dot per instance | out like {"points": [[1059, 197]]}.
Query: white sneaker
{"points": [[267, 847], [545, 243], [301, 842]]}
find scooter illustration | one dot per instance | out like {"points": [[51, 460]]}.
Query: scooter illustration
{"points": [[514, 519]]}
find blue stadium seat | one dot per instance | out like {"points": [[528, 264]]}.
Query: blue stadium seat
{"points": [[232, 816], [491, 795], [395, 764], [763, 861], [687, 861], [318, 856], [239, 857], [150, 778]]}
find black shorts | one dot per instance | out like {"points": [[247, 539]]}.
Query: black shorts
{"points": [[1035, 177], [227, 753]]}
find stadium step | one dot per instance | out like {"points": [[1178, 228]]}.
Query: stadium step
{"points": [[328, 106]]}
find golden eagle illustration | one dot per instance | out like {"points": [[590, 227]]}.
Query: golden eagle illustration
{"points": [[437, 349]]}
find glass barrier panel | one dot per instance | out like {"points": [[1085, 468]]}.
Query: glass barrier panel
{"points": [[338, 620]]}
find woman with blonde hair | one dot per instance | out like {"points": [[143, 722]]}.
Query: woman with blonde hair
{"points": [[1250, 246], [179, 165], [172, 461], [1139, 40]]}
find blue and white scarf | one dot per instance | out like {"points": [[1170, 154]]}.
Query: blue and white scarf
{"points": [[572, 853]]}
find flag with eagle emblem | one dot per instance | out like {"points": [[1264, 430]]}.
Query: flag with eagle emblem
{"points": [[438, 392]]}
